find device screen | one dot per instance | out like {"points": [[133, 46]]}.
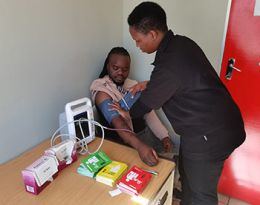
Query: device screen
{"points": [[84, 125]]}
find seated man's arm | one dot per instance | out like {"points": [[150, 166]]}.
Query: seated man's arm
{"points": [[159, 130], [146, 153]]}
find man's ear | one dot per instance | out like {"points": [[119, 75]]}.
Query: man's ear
{"points": [[154, 34]]}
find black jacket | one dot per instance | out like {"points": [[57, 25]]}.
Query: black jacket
{"points": [[196, 102]]}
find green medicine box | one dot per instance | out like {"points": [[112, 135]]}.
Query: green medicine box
{"points": [[96, 161]]}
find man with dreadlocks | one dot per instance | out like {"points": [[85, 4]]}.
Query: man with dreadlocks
{"points": [[113, 86]]}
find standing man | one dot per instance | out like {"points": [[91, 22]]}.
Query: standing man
{"points": [[197, 104]]}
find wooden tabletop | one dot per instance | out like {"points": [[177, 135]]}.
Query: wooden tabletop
{"points": [[71, 188]]}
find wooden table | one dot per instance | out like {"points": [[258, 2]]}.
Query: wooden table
{"points": [[71, 188]]}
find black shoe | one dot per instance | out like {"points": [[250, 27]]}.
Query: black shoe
{"points": [[177, 193]]}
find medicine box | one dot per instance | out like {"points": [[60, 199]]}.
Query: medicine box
{"points": [[39, 174], [65, 152]]}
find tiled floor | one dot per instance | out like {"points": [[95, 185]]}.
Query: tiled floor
{"points": [[236, 202], [223, 200], [226, 200]]}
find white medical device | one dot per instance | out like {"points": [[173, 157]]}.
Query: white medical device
{"points": [[77, 110]]}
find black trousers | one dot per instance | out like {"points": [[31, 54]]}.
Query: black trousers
{"points": [[199, 179]]}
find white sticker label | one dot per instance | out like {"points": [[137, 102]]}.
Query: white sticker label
{"points": [[29, 188], [115, 192], [257, 8]]}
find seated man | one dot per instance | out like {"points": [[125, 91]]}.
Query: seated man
{"points": [[113, 86]]}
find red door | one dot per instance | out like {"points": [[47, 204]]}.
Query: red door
{"points": [[240, 72]]}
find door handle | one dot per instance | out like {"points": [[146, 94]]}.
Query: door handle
{"points": [[230, 68]]}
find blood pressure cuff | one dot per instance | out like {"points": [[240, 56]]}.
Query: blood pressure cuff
{"points": [[105, 108], [128, 100]]}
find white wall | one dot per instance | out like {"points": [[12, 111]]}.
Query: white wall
{"points": [[201, 20], [50, 52]]}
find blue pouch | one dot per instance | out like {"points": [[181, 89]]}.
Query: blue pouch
{"points": [[128, 100]]}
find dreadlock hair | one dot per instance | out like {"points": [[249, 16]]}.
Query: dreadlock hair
{"points": [[115, 50], [148, 16]]}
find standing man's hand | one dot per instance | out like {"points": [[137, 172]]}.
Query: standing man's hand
{"points": [[116, 106], [147, 154], [138, 87], [167, 144]]}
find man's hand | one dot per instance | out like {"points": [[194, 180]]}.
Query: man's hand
{"points": [[167, 144], [147, 154], [138, 87], [116, 106]]}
